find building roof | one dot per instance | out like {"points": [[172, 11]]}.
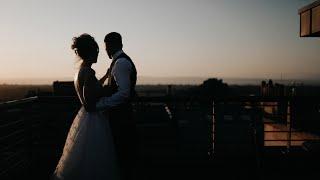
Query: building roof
{"points": [[310, 6]]}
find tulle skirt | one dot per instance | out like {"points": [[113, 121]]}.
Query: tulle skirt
{"points": [[89, 150]]}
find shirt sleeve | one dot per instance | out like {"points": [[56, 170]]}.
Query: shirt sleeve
{"points": [[121, 74]]}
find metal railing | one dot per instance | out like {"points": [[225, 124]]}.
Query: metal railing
{"points": [[22, 123], [23, 127], [33, 130], [15, 136], [279, 127]]}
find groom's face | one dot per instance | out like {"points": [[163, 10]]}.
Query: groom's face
{"points": [[109, 50]]}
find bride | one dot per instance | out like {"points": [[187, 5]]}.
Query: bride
{"points": [[89, 150]]}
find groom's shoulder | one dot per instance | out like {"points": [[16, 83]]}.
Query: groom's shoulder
{"points": [[123, 62]]}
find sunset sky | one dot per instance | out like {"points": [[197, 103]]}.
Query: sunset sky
{"points": [[165, 38]]}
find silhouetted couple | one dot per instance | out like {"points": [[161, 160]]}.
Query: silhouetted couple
{"points": [[101, 141]]}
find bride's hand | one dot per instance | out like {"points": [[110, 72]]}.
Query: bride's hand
{"points": [[108, 72], [103, 79]]}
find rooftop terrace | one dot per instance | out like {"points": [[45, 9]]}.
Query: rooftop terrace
{"points": [[180, 138]]}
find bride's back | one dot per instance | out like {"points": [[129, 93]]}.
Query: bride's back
{"points": [[79, 82], [86, 86]]}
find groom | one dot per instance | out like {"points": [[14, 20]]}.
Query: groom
{"points": [[122, 77]]}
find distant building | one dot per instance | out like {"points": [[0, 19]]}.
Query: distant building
{"points": [[275, 90], [169, 90], [269, 89], [64, 88], [38, 92]]}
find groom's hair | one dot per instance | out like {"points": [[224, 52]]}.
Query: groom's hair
{"points": [[114, 39]]}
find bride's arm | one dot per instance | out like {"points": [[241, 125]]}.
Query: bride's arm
{"points": [[90, 91], [105, 77]]}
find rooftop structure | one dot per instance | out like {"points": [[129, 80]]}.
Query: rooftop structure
{"points": [[310, 20]]}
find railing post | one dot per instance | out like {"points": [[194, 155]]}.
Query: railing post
{"points": [[212, 128], [289, 126], [258, 133], [29, 145]]}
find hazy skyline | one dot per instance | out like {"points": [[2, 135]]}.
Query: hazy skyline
{"points": [[199, 38]]}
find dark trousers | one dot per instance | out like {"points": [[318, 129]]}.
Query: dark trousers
{"points": [[124, 134]]}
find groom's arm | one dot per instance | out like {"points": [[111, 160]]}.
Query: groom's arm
{"points": [[121, 73]]}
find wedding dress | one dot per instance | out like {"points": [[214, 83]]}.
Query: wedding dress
{"points": [[88, 152]]}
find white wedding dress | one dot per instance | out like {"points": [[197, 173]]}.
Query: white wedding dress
{"points": [[88, 152]]}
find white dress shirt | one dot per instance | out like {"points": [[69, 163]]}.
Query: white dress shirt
{"points": [[121, 72]]}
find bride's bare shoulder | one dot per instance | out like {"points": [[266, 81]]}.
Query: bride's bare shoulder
{"points": [[86, 72]]}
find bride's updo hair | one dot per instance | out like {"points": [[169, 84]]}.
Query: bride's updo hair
{"points": [[85, 47]]}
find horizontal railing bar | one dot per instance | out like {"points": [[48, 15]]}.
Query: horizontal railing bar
{"points": [[12, 134], [274, 123], [249, 105], [248, 114], [291, 140], [17, 102], [265, 99], [14, 155], [282, 131], [218, 100], [276, 116], [13, 166], [12, 145], [11, 123]]}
